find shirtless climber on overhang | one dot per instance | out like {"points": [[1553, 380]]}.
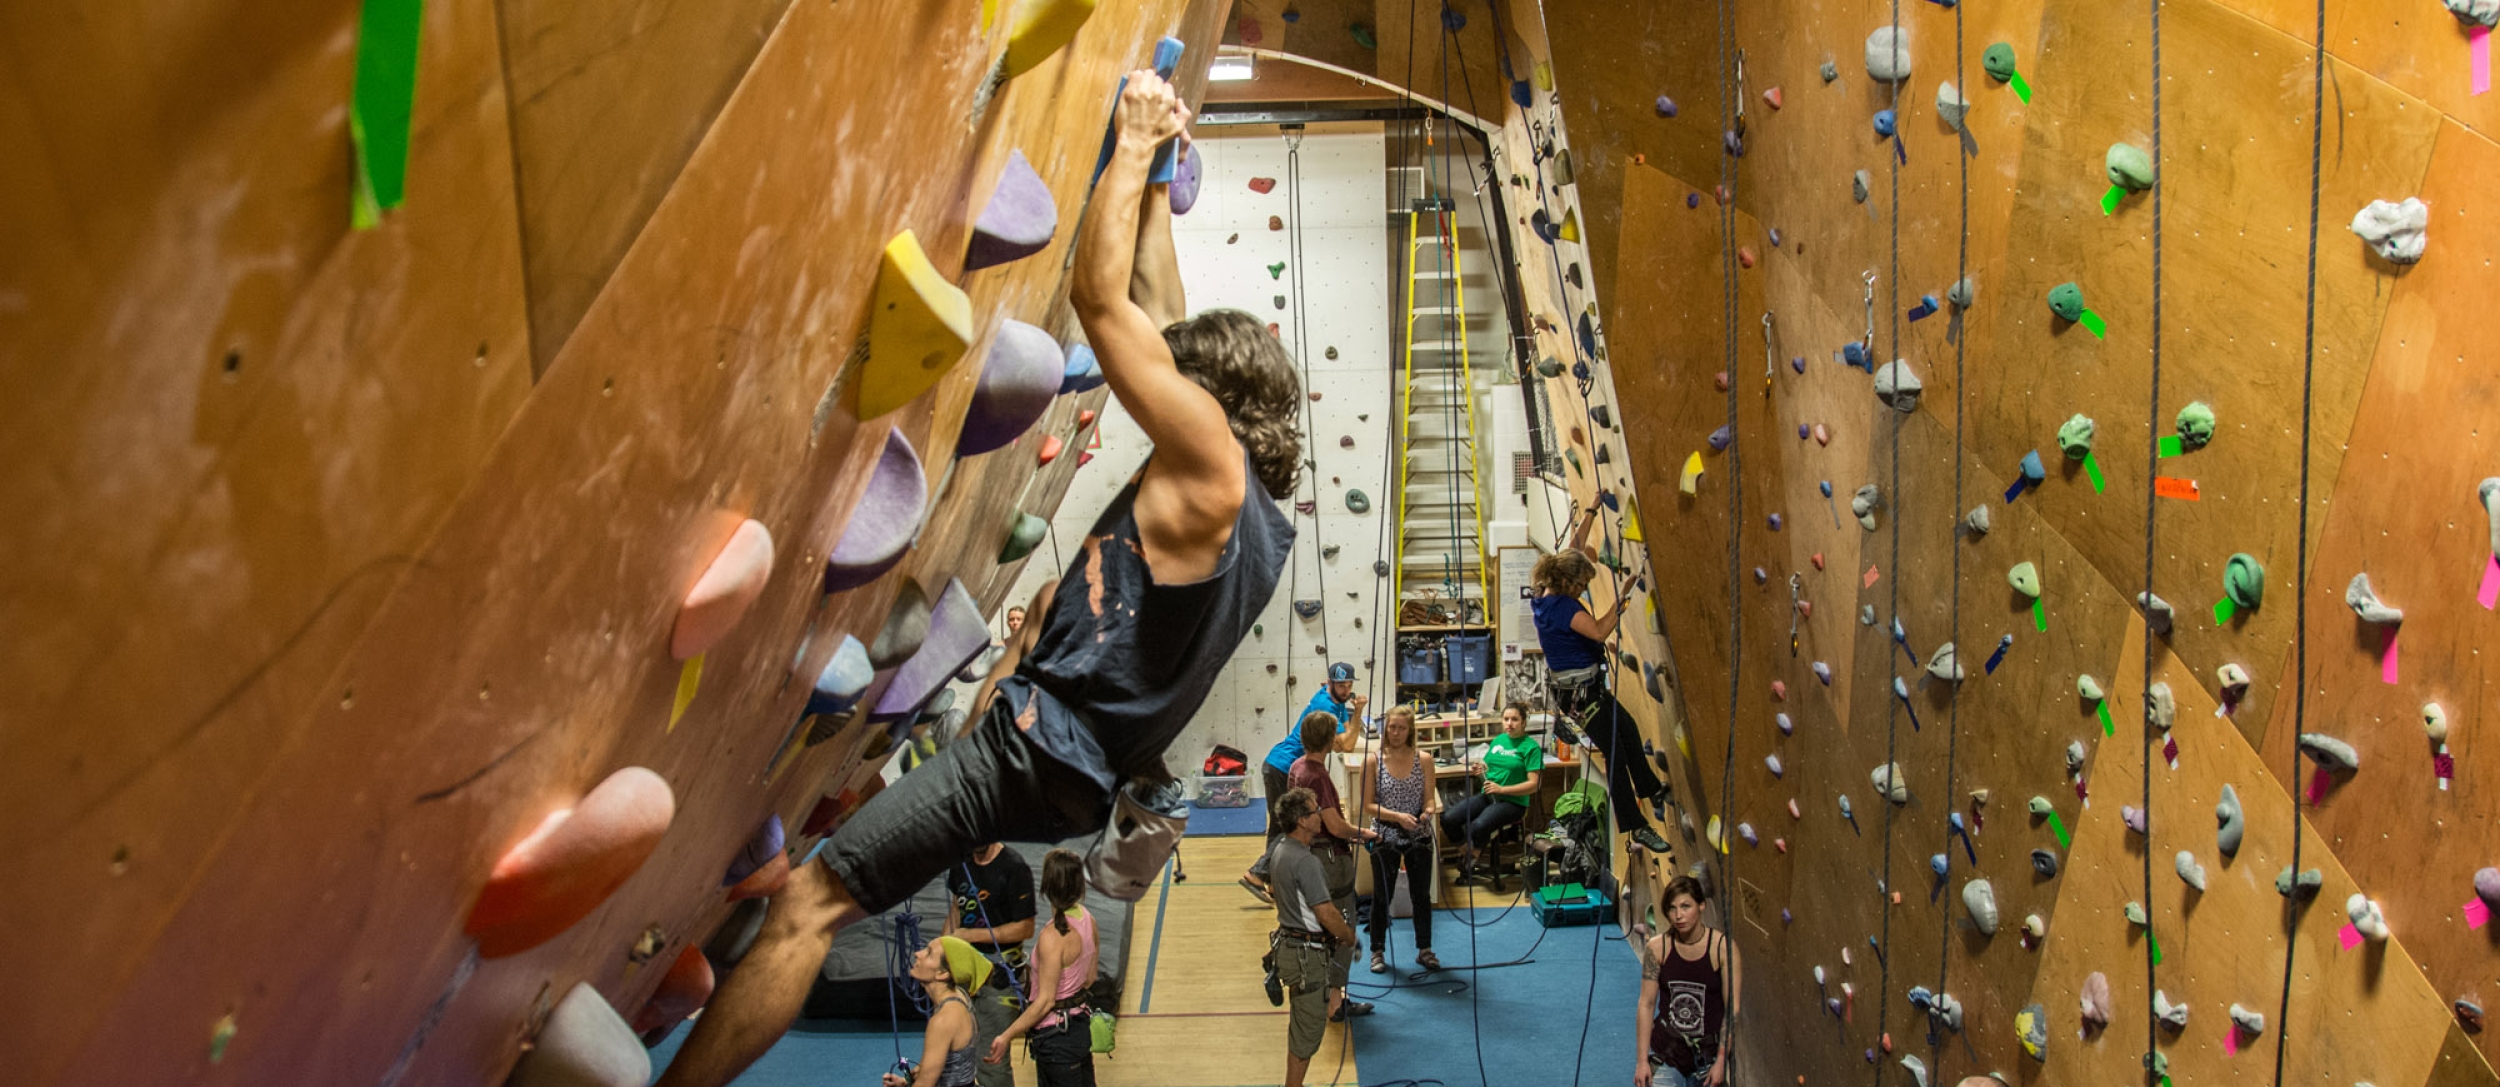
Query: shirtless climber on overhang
{"points": [[1125, 645]]}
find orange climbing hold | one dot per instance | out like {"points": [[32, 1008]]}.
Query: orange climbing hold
{"points": [[575, 858], [1744, 256], [1084, 418], [1772, 96], [1262, 185], [722, 595], [1051, 445], [685, 988]]}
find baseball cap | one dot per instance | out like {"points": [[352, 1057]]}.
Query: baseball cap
{"points": [[1341, 672]]}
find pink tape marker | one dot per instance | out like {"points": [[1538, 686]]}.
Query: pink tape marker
{"points": [[2489, 594], [2231, 1041], [2387, 659], [2318, 783], [2478, 46], [2476, 914], [2350, 936]]}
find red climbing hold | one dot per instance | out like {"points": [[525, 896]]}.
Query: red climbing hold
{"points": [[1720, 379], [1084, 459], [1262, 184], [764, 881], [1744, 256], [1818, 560], [571, 862], [1051, 445], [1084, 418], [686, 986], [1251, 34], [1724, 195], [828, 811]]}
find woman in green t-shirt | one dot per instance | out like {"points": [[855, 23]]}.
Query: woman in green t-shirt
{"points": [[1510, 765]]}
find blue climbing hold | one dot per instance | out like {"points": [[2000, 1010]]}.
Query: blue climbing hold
{"points": [[2033, 470], [1802, 431], [1666, 106], [1856, 355], [1692, 199], [1885, 122], [1294, 15], [1798, 363], [1452, 18], [1082, 372], [1519, 93]]}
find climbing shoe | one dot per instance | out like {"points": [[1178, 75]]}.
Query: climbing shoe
{"points": [[1256, 891], [1648, 839], [1349, 1008], [1380, 963], [1566, 734]]}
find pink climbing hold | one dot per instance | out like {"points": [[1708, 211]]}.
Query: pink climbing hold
{"points": [[1251, 34], [722, 595], [1720, 379], [1262, 185], [1779, 691], [1772, 96], [1822, 434], [685, 988], [1818, 560], [571, 862], [1744, 256]]}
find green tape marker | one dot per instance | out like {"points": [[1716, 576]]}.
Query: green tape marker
{"points": [[2224, 610], [2171, 446], [2156, 944], [2107, 727], [2093, 322], [2022, 89], [2092, 468], [380, 111], [2059, 826], [2110, 199], [2039, 614]]}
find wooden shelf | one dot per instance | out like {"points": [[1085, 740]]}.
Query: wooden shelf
{"points": [[1443, 628]]}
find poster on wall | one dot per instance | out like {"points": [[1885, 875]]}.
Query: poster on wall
{"points": [[1518, 621]]}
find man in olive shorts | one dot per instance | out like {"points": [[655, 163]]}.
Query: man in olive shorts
{"points": [[1314, 942]]}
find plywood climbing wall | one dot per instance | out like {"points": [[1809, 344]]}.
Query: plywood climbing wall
{"points": [[2392, 457], [346, 555]]}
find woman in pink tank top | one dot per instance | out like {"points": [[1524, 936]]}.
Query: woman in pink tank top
{"points": [[1060, 1032]]}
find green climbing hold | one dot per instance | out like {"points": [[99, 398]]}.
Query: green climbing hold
{"points": [[1363, 36], [1998, 61], [1023, 536], [1572, 457], [1258, 630], [2196, 425], [2129, 167], [1549, 367], [2025, 578], [2244, 581], [1357, 501], [1276, 270], [2076, 437], [2066, 301]]}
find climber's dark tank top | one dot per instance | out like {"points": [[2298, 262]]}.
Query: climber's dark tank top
{"points": [[1692, 1007], [1134, 659]]}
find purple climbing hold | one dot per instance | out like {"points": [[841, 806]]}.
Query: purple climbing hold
{"points": [[1018, 221], [2487, 887], [760, 849], [1760, 575], [957, 633], [1720, 438], [1692, 199], [1018, 381], [1185, 181], [1733, 143], [1453, 19], [886, 520], [1797, 363], [1802, 429], [1823, 672], [1775, 522], [1083, 371], [1666, 106]]}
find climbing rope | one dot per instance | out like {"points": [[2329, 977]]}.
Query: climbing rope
{"points": [[1953, 706], [1892, 706], [2152, 437], [2300, 597], [1730, 114]]}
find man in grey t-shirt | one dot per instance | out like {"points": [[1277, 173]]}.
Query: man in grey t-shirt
{"points": [[1310, 930]]}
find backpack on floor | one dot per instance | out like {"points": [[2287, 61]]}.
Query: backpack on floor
{"points": [[1226, 762]]}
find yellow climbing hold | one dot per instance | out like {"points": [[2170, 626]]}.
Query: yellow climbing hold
{"points": [[1632, 522], [1691, 483], [1545, 75], [1570, 230], [1042, 26], [1716, 841], [918, 327], [989, 15]]}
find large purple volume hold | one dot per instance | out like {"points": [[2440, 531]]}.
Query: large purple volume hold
{"points": [[957, 633], [886, 521], [1019, 220], [1017, 383]]}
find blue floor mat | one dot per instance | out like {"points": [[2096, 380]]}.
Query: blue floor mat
{"points": [[1227, 822], [816, 1052]]}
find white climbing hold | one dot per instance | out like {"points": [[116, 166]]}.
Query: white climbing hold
{"points": [[1774, 763], [1889, 781], [2475, 12], [2034, 927], [2394, 231], [1864, 503], [1950, 105], [1981, 900], [2366, 916], [2157, 612], [1943, 665], [1888, 54], [2234, 824], [2174, 1016], [1917, 1067], [1897, 386], [2329, 751], [2232, 681], [2074, 756], [1976, 520], [2189, 871], [2095, 1000], [2434, 721], [2248, 1021], [2089, 688], [2365, 603], [2165, 709]]}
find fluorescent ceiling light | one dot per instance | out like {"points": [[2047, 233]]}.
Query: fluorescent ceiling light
{"points": [[1232, 68]]}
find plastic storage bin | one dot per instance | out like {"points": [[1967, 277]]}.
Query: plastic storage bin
{"points": [[1471, 657], [1419, 663], [1219, 791]]}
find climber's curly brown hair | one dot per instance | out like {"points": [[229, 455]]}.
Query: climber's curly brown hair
{"points": [[1234, 357]]}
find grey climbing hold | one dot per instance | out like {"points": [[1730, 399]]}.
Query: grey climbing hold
{"points": [[2189, 871], [1864, 504], [1917, 1067], [2307, 884], [2195, 425], [1948, 1011], [1331, 352], [2174, 1016], [1380, 567], [2031, 1027], [1604, 416], [2075, 437], [2089, 688], [906, 626], [1830, 71], [2487, 886], [2471, 12], [1897, 386], [2157, 612], [1888, 54], [1307, 609], [2066, 301], [2135, 818], [2025, 578], [2045, 863], [1549, 367], [1866, 615], [2329, 751], [2394, 231], [1942, 665], [2095, 1000], [2232, 822], [1861, 184], [1890, 782], [2074, 756], [583, 1044], [2244, 581], [2129, 167], [2366, 604], [1981, 900], [1962, 293], [2249, 1022], [1950, 105], [1280, 301], [1977, 520], [2136, 915], [2488, 492], [2163, 707], [2366, 916], [2040, 804], [1023, 535]]}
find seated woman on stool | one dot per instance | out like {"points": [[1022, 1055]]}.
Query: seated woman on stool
{"points": [[1402, 802], [1510, 764]]}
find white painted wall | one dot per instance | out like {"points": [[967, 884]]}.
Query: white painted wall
{"points": [[1225, 249]]}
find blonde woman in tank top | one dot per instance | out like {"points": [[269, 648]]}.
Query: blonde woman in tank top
{"points": [[1404, 806], [1059, 1029]]}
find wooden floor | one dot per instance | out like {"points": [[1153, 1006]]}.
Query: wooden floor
{"points": [[1192, 1012]]}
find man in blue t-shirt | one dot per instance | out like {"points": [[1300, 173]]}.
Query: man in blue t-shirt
{"points": [[1337, 700]]}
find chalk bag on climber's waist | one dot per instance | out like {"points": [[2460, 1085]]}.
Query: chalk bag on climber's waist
{"points": [[1146, 825]]}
